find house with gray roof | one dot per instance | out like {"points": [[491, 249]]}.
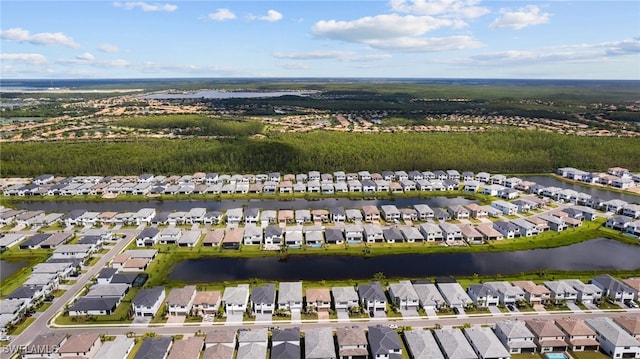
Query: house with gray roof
{"points": [[235, 298], [507, 292], [421, 344], [117, 290], [45, 345], [148, 237], [148, 301], [454, 295], [507, 229], [392, 235], [319, 343], [263, 298], [483, 295], [120, 347], [285, 343], [411, 234], [372, 297], [220, 344], [515, 336], [450, 232], [614, 340], [154, 348], [431, 232], [334, 236], [94, 306], [485, 343], [587, 292], [454, 344], [428, 295], [613, 288], [384, 342], [561, 291], [373, 233], [252, 344], [290, 296], [404, 295], [344, 298], [273, 235]]}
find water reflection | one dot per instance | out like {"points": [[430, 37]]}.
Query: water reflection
{"points": [[597, 254]]}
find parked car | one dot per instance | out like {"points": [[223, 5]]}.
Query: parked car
{"points": [[511, 307], [393, 326], [456, 310], [631, 304]]}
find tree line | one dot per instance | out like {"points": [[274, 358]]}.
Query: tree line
{"points": [[499, 151]]}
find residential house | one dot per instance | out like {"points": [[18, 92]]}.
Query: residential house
{"points": [[485, 343], [337, 214], [579, 336], [302, 216], [318, 299], [404, 295], [333, 236], [285, 343], [314, 237], [373, 233], [263, 299], [83, 344], [631, 210], [507, 208], [618, 222], [431, 232], [318, 343], [148, 301], [450, 232], [148, 237], [458, 212], [453, 294], [508, 293], [428, 295], [93, 306], [235, 299], [548, 336], [634, 284], [561, 291], [534, 293], [392, 235], [476, 211], [252, 344], [290, 296], [189, 348], [454, 344], [180, 300], [44, 346], [390, 213], [507, 229], [614, 341], [421, 344], [220, 344], [587, 292], [344, 298], [120, 347], [206, 302], [273, 236], [515, 336], [631, 324], [352, 343], [384, 342], [354, 234], [372, 297], [154, 347], [613, 288], [424, 211], [526, 228], [483, 295]]}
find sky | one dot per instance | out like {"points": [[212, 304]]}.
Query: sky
{"points": [[580, 39]]}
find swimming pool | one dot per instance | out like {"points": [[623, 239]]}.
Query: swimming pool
{"points": [[555, 356]]}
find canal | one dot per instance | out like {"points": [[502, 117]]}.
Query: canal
{"points": [[596, 254]]}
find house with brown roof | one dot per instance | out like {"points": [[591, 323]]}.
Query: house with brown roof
{"points": [[533, 293], [135, 265], [232, 238], [371, 213], [548, 336], [630, 325], [318, 299], [352, 343], [44, 345], [579, 335], [213, 238], [189, 348], [81, 345], [206, 302], [180, 300], [634, 284]]}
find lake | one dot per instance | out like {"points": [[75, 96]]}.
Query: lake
{"points": [[595, 192], [217, 94], [223, 205], [8, 268], [596, 254]]}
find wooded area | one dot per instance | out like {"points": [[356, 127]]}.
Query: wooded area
{"points": [[500, 151]]}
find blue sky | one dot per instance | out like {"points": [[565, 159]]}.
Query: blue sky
{"points": [[294, 38]]}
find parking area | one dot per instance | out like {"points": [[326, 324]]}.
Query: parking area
{"points": [[234, 318], [264, 317]]}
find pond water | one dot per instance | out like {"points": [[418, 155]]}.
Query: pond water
{"points": [[8, 268], [217, 94], [596, 254], [595, 192], [223, 205]]}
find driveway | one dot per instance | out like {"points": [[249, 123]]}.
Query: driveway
{"points": [[264, 317], [431, 313], [234, 318], [296, 317], [141, 320], [494, 310], [409, 313], [574, 307], [343, 316], [175, 319]]}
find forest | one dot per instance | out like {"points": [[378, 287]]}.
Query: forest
{"points": [[499, 151], [194, 125]]}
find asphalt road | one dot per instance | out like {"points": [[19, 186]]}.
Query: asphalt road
{"points": [[40, 325]]}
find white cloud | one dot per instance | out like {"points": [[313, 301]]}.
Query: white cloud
{"points": [[146, 6], [222, 14], [371, 58], [86, 57], [111, 49], [466, 9], [373, 28], [31, 59], [520, 18], [295, 66], [271, 16], [395, 32], [44, 38], [313, 55]]}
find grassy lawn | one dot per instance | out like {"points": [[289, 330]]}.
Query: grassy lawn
{"points": [[18, 329], [119, 316], [588, 355], [313, 316], [30, 257], [526, 356]]}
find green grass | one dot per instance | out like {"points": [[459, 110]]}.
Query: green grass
{"points": [[31, 257], [18, 329], [587, 355]]}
